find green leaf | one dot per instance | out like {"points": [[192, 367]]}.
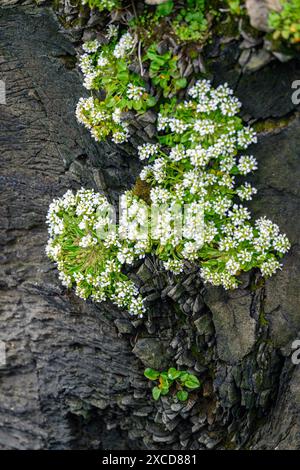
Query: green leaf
{"points": [[183, 376], [192, 382], [151, 374], [164, 9], [151, 101], [156, 392], [173, 374], [182, 395], [181, 82], [164, 380]]}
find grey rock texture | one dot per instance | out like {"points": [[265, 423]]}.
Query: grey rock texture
{"points": [[74, 371], [259, 10]]}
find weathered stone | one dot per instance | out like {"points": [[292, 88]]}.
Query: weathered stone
{"points": [[204, 325], [235, 329], [257, 61], [124, 326], [259, 10], [152, 352]]}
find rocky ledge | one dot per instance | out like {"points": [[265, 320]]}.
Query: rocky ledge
{"points": [[74, 371]]}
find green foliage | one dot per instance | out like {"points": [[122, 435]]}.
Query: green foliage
{"points": [[172, 380], [191, 24], [164, 72], [88, 251], [102, 4], [235, 7], [106, 69], [286, 23], [164, 9]]}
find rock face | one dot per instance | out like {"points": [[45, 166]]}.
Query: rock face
{"points": [[259, 10], [74, 370]]}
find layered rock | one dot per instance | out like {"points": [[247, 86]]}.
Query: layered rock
{"points": [[74, 372]]}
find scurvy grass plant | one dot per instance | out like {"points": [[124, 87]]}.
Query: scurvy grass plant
{"points": [[106, 68], [89, 253], [196, 163], [192, 166], [180, 381]]}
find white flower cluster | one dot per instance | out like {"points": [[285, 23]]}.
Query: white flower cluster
{"points": [[193, 214], [199, 170], [135, 92], [124, 46], [89, 253], [102, 5], [147, 150], [98, 65]]}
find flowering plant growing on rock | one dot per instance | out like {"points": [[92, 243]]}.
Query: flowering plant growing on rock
{"points": [[193, 166], [106, 68], [196, 163], [88, 251]]}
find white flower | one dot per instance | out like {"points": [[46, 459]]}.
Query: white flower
{"points": [[245, 137], [232, 266], [116, 115], [135, 92], [88, 241], [125, 44], [246, 192], [269, 267], [147, 150], [112, 31], [91, 46], [102, 61], [174, 265], [281, 243], [177, 153], [247, 164]]}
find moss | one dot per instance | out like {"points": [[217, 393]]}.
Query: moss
{"points": [[262, 318], [271, 125], [141, 189], [69, 61], [199, 356], [227, 28], [228, 443]]}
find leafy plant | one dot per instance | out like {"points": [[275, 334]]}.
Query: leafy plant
{"points": [[193, 165], [286, 23], [90, 251], [106, 68], [102, 4], [164, 72], [190, 24], [179, 381], [164, 9], [235, 7]]}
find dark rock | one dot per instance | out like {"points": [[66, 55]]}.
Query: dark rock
{"points": [[152, 352], [235, 329], [204, 325]]}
